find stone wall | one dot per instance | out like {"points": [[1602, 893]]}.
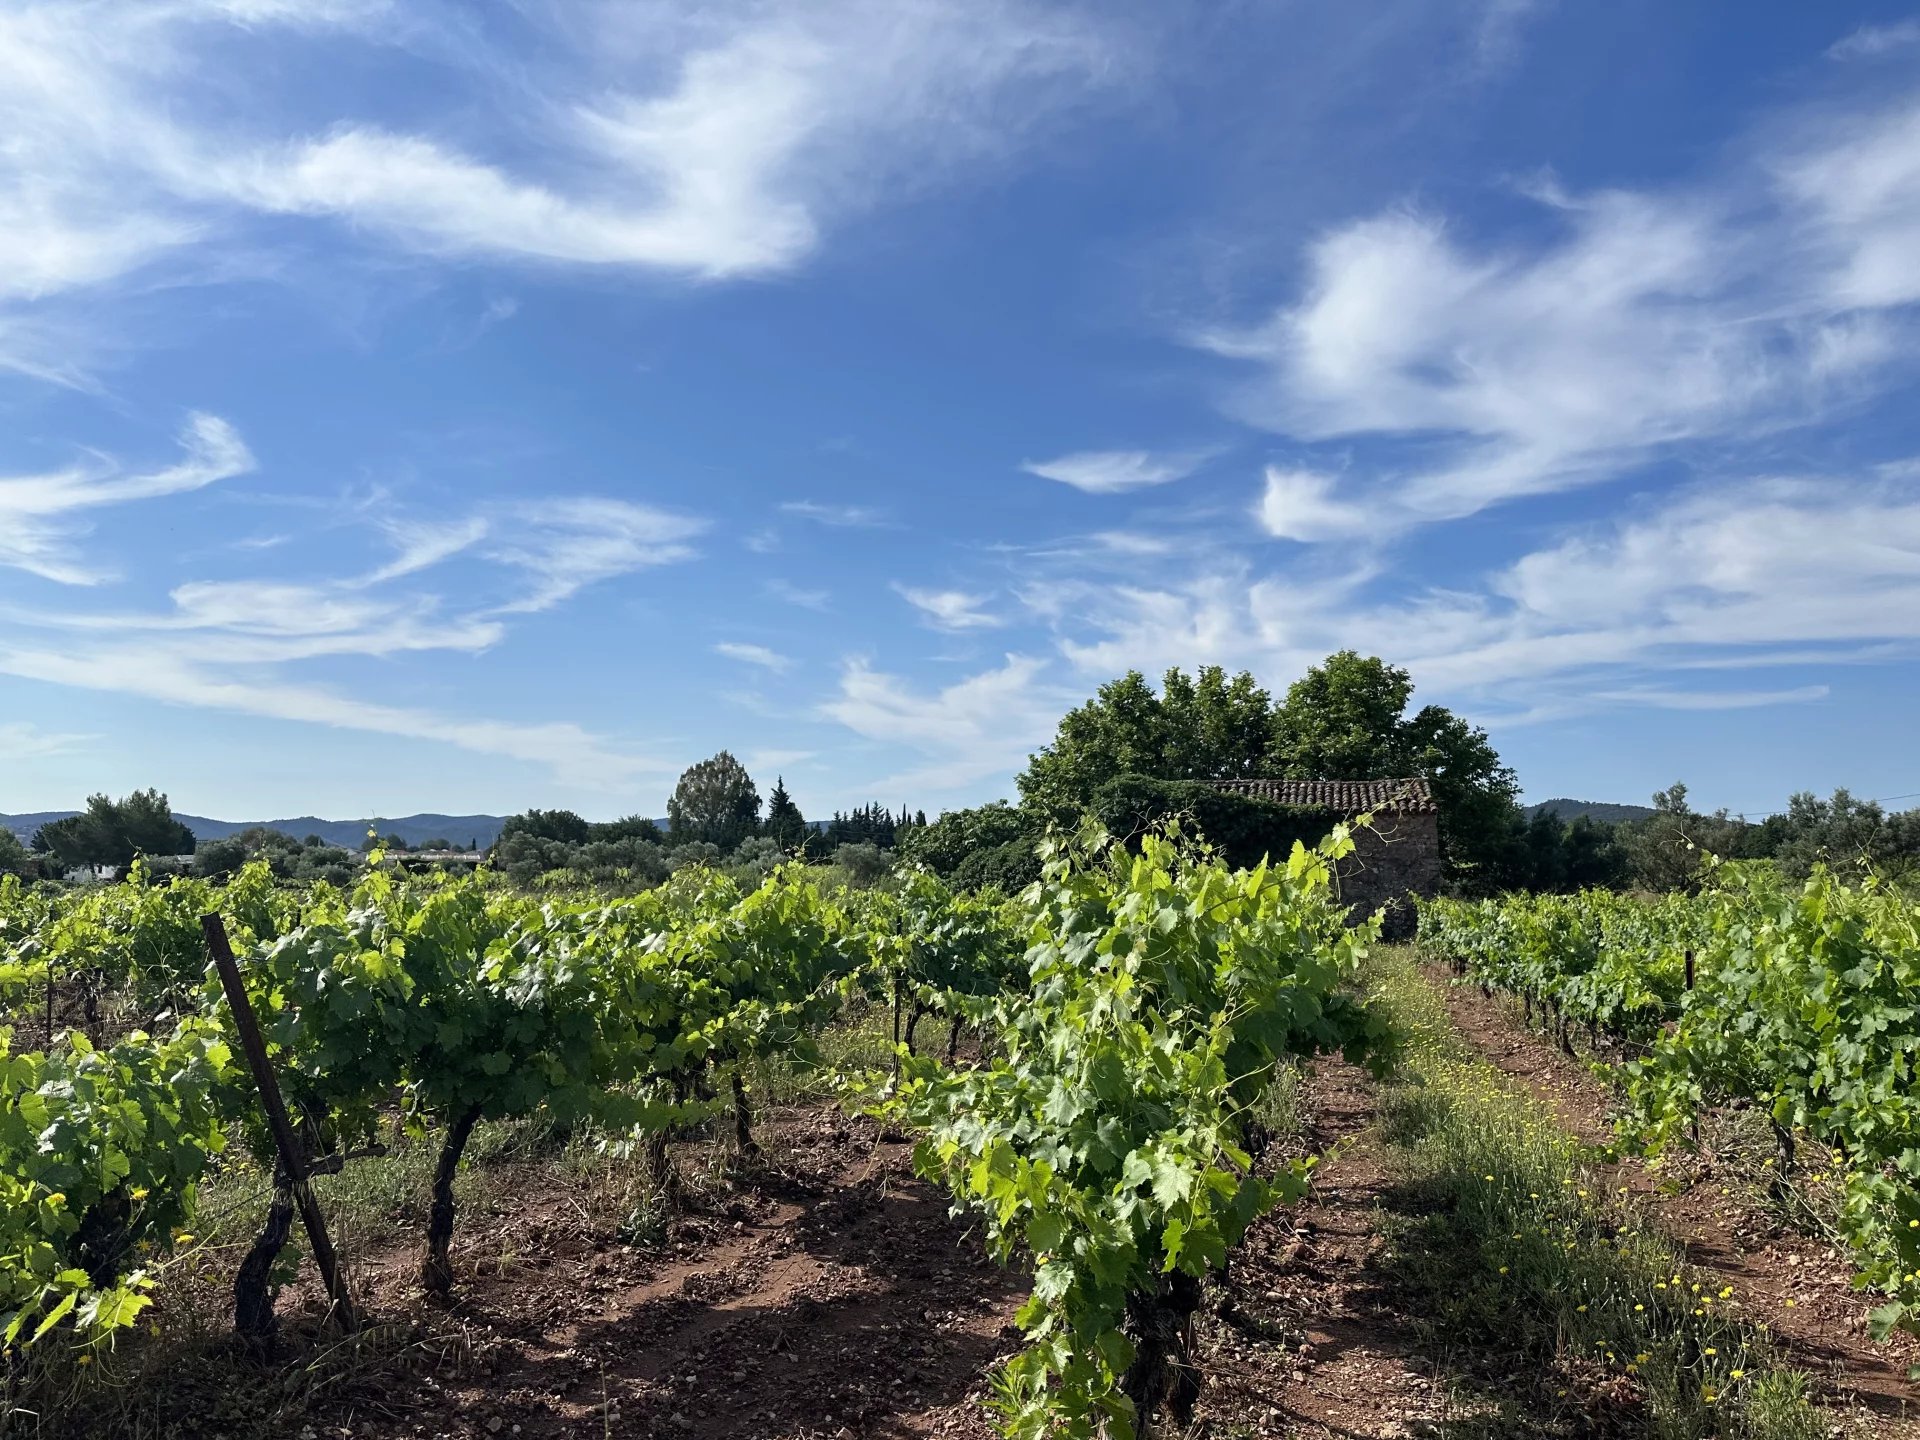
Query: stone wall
{"points": [[1397, 858]]}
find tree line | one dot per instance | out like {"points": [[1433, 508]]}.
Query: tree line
{"points": [[1130, 754]]}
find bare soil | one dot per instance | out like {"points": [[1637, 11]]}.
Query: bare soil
{"points": [[828, 1294]]}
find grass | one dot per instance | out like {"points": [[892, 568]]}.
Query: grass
{"points": [[1514, 1243]]}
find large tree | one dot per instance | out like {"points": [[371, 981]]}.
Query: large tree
{"points": [[112, 832], [943, 845], [1346, 719], [561, 825], [1209, 727], [786, 826], [14, 859], [714, 802]]}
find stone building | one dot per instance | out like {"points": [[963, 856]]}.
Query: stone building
{"points": [[1395, 858]]}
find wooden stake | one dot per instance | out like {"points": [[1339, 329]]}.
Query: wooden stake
{"points": [[283, 1137]]}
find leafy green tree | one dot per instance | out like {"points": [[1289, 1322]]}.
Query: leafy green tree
{"points": [[863, 861], [1210, 727], [562, 825], [632, 827], [112, 832], [869, 824], [14, 859], [785, 825], [1849, 835], [944, 844], [1346, 719], [217, 859], [715, 803], [1668, 850]]}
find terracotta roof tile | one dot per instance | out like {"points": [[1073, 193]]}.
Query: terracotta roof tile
{"points": [[1342, 797]]}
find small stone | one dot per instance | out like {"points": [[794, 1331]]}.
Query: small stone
{"points": [[494, 1425]]}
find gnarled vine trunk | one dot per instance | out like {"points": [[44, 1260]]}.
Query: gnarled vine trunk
{"points": [[658, 1161], [1163, 1381], [252, 1294], [436, 1270], [743, 1118]]}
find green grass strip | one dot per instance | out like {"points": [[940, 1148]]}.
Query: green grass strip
{"points": [[1507, 1230]]}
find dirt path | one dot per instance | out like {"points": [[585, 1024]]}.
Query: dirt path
{"points": [[1312, 1341], [1798, 1286]]}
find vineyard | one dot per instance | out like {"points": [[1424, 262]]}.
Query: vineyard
{"points": [[1132, 1007], [1796, 1002], [1118, 1081]]}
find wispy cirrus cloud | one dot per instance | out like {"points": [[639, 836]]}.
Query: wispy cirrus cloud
{"points": [[982, 726], [571, 753], [1302, 505], [1114, 472], [23, 741], [1661, 698], [749, 654], [39, 513], [708, 142], [246, 645], [839, 517], [1872, 41], [1645, 324], [804, 597], [1717, 578], [954, 610], [567, 544]]}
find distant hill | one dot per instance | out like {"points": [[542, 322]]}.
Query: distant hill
{"points": [[414, 829], [1593, 809]]}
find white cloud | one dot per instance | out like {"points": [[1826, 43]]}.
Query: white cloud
{"points": [[1663, 699], [1718, 578], [574, 755], [1113, 472], [1856, 186], [800, 596], [424, 544], [982, 726], [1132, 542], [840, 517], [1710, 315], [707, 141], [1872, 41], [568, 544], [1299, 505], [22, 741], [760, 655], [949, 609], [238, 645], [36, 534]]}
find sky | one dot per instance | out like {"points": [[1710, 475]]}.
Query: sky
{"points": [[410, 405]]}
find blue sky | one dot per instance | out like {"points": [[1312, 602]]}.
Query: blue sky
{"points": [[425, 406]]}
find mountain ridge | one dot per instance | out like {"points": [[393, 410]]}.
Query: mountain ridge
{"points": [[481, 830], [1602, 811]]}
